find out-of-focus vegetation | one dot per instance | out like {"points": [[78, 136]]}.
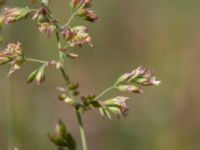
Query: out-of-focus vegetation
{"points": [[163, 35]]}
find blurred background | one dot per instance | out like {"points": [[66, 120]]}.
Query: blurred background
{"points": [[160, 34]]}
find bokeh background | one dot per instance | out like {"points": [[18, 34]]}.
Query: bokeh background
{"points": [[159, 34]]}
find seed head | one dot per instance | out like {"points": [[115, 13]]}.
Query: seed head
{"points": [[46, 28], [15, 14], [88, 14], [81, 37], [144, 77], [74, 3], [130, 88], [68, 34], [140, 76], [117, 105], [13, 55]]}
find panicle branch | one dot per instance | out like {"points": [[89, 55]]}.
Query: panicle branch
{"points": [[73, 36]]}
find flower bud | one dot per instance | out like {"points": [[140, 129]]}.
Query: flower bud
{"points": [[88, 14], [40, 77], [15, 14], [68, 34], [57, 140], [69, 100], [41, 15], [64, 98], [61, 130], [74, 3], [86, 3], [62, 138], [82, 37], [129, 88], [123, 78], [61, 89], [117, 105], [148, 81], [4, 60], [32, 76], [13, 55], [144, 77], [46, 28], [72, 86], [72, 55], [15, 65], [140, 76]]}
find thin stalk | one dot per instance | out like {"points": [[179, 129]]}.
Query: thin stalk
{"points": [[61, 55], [36, 60], [82, 131], [104, 92], [67, 80], [72, 16]]}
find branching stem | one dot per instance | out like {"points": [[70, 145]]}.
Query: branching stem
{"points": [[73, 15], [67, 80], [104, 92], [36, 60]]}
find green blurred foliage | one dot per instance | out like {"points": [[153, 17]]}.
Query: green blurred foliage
{"points": [[159, 34]]}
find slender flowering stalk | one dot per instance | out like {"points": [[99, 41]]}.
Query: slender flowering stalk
{"points": [[104, 92], [36, 60], [74, 36]]}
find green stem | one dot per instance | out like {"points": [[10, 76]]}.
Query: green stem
{"points": [[61, 55], [82, 131], [104, 92], [72, 16], [67, 80], [36, 60]]}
